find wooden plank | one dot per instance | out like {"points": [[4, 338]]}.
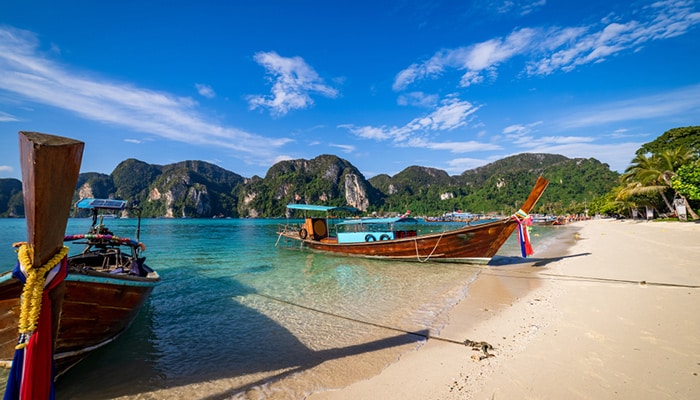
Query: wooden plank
{"points": [[50, 167]]}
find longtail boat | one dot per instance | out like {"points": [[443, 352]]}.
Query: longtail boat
{"points": [[106, 285], [399, 239], [50, 167], [544, 220]]}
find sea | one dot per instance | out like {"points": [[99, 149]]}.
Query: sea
{"points": [[237, 317]]}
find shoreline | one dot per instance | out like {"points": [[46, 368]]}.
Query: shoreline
{"points": [[426, 371], [616, 315]]}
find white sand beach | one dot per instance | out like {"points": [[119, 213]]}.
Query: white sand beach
{"points": [[616, 316]]}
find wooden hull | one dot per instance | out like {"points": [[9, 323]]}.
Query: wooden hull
{"points": [[469, 244], [96, 309], [545, 223]]}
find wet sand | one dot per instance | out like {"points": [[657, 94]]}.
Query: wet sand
{"points": [[615, 316]]}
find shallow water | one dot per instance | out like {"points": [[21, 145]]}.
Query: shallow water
{"points": [[236, 317]]}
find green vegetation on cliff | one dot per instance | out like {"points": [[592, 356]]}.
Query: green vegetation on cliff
{"points": [[202, 190]]}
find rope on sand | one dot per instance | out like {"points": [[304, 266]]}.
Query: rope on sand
{"points": [[419, 334], [612, 280], [551, 276]]}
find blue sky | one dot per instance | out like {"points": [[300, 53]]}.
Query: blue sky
{"points": [[446, 84]]}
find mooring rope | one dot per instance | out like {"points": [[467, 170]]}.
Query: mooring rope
{"points": [[627, 281], [415, 241], [376, 325]]}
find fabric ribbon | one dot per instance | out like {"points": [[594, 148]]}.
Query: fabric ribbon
{"points": [[33, 370], [524, 225]]}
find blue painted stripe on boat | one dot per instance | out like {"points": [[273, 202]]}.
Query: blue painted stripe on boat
{"points": [[95, 279], [110, 281], [6, 277]]}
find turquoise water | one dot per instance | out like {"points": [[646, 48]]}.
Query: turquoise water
{"points": [[213, 326]]}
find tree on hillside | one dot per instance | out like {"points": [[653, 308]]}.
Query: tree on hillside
{"points": [[654, 174]]}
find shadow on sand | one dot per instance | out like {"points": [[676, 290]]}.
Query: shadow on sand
{"points": [[500, 261]]}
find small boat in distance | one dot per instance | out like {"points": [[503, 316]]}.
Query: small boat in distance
{"points": [[399, 239], [107, 284], [544, 220]]}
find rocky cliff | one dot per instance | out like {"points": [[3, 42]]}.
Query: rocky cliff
{"points": [[198, 189]]}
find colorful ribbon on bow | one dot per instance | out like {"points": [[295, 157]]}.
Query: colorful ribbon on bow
{"points": [[32, 373], [524, 225]]}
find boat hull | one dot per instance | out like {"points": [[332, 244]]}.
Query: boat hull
{"points": [[97, 308], [474, 244]]}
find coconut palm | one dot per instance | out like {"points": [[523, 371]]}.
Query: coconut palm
{"points": [[648, 175]]}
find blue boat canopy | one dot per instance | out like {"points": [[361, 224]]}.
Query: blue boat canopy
{"points": [[107, 204], [312, 207], [365, 221]]}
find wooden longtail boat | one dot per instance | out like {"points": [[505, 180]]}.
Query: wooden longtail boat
{"points": [[544, 220], [395, 239], [50, 167], [106, 285]]}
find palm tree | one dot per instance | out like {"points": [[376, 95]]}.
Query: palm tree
{"points": [[648, 175]]}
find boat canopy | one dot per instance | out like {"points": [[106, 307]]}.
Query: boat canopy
{"points": [[105, 204], [312, 207], [368, 221]]}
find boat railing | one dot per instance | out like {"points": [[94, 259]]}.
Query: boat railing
{"points": [[284, 231]]}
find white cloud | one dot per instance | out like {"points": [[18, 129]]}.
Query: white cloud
{"points": [[418, 99], [5, 117], [548, 50], [369, 132], [454, 147], [451, 114], [616, 155], [293, 82], [519, 7], [346, 148], [459, 165], [448, 116], [6, 168], [205, 90], [682, 101], [28, 74]]}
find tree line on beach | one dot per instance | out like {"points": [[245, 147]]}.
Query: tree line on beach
{"points": [[663, 174]]}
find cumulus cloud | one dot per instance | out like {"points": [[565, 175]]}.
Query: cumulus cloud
{"points": [[293, 83], [548, 50], [205, 90], [448, 116]]}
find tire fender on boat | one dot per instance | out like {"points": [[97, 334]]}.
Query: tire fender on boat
{"points": [[303, 234], [384, 237], [370, 238]]}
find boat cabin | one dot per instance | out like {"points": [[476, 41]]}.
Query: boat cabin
{"points": [[352, 230], [317, 228], [104, 251], [374, 229]]}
